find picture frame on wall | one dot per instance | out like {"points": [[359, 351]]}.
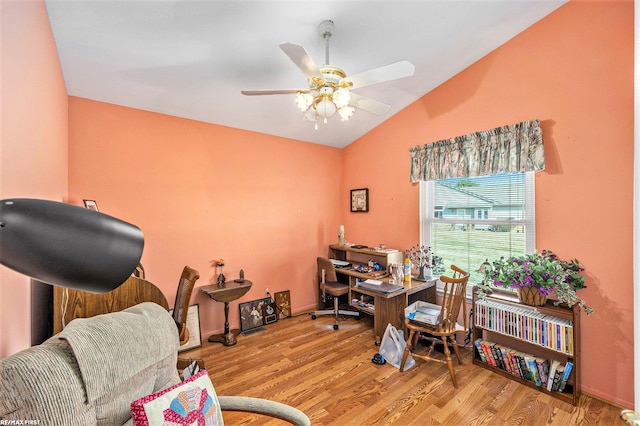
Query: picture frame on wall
{"points": [[91, 204], [360, 200], [251, 317], [193, 325]]}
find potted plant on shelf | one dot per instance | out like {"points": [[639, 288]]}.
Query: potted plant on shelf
{"points": [[536, 276]]}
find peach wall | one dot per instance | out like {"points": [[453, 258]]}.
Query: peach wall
{"points": [[199, 192], [33, 148], [574, 71]]}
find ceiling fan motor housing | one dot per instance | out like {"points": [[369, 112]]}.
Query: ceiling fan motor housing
{"points": [[325, 28]]}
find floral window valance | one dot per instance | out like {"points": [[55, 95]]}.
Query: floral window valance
{"points": [[506, 149]]}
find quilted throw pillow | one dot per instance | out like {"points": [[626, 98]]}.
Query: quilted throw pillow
{"points": [[192, 402]]}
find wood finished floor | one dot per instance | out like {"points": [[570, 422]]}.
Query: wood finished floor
{"points": [[329, 375]]}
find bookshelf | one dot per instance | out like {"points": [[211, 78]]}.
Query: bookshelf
{"points": [[519, 341]]}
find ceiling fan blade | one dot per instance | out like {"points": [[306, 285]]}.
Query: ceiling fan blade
{"points": [[378, 75], [301, 58], [369, 105], [273, 92]]}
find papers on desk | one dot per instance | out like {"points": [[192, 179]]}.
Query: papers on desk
{"points": [[379, 286], [339, 263], [385, 250]]}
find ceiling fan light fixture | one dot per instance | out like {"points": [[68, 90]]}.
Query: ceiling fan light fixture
{"points": [[341, 97], [325, 106], [310, 115], [303, 101], [346, 112]]}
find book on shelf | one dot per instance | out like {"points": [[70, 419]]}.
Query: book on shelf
{"points": [[497, 355], [515, 370], [552, 372], [522, 365], [543, 370], [565, 376], [481, 354], [488, 353], [557, 378], [533, 369], [505, 358]]}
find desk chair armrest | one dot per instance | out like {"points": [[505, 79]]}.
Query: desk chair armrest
{"points": [[264, 406]]}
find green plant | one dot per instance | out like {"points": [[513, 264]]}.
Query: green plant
{"points": [[543, 271]]}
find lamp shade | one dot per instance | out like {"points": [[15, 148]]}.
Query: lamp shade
{"points": [[67, 245]]}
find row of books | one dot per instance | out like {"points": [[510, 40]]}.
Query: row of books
{"points": [[552, 375], [525, 323]]}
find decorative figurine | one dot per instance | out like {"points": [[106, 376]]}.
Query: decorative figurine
{"points": [[219, 263], [426, 261]]}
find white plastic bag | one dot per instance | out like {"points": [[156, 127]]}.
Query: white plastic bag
{"points": [[392, 348]]}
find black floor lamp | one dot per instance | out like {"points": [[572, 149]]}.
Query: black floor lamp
{"points": [[67, 245]]}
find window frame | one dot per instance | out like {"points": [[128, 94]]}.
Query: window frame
{"points": [[427, 203]]}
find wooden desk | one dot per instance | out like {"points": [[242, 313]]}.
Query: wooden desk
{"points": [[389, 308], [227, 292]]}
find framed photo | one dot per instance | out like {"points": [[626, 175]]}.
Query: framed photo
{"points": [[283, 304], [270, 312], [193, 325], [251, 316], [360, 200], [91, 204]]}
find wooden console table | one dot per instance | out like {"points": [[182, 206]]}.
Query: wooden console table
{"points": [[227, 292]]}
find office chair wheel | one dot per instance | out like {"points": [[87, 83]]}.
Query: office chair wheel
{"points": [[313, 316], [335, 326]]}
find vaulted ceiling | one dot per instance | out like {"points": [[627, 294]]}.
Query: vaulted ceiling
{"points": [[191, 59]]}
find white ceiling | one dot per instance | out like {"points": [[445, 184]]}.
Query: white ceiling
{"points": [[191, 59]]}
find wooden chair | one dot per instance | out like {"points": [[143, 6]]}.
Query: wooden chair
{"points": [[329, 284], [454, 298], [187, 281]]}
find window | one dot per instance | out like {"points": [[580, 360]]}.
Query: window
{"points": [[469, 220]]}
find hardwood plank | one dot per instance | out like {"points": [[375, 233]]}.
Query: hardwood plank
{"points": [[329, 375]]}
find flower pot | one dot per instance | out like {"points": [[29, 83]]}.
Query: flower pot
{"points": [[531, 296]]}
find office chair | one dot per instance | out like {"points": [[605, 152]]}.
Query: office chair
{"points": [[181, 307], [328, 281], [455, 291]]}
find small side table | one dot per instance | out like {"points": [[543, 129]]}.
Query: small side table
{"points": [[227, 292]]}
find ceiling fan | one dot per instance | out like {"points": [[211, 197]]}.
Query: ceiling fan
{"points": [[330, 88]]}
